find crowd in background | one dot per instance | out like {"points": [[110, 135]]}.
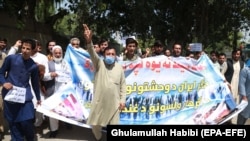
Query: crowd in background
{"points": [[50, 61]]}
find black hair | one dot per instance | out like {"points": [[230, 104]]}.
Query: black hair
{"points": [[236, 50], [102, 40], [214, 52], [32, 42], [47, 44], [189, 53], [3, 39], [131, 41], [222, 54], [177, 43], [158, 43], [109, 48]]}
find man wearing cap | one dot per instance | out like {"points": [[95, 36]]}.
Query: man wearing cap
{"points": [[131, 50], [52, 83], [158, 48]]}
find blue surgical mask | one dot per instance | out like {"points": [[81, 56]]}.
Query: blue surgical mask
{"points": [[109, 60]]}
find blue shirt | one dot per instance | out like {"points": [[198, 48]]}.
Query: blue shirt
{"points": [[18, 72], [244, 89]]}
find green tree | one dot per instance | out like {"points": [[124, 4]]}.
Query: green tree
{"points": [[214, 23], [207, 21]]}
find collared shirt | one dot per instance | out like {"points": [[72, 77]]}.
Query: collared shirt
{"points": [[135, 57], [20, 71]]}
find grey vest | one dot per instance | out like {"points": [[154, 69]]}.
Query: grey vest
{"points": [[50, 85]]}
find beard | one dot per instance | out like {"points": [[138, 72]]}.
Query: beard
{"points": [[57, 60]]}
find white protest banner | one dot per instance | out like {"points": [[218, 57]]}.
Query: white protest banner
{"points": [[175, 91]]}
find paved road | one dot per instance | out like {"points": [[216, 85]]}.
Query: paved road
{"points": [[75, 134]]}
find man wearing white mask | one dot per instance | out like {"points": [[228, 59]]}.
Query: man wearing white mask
{"points": [[58, 76]]}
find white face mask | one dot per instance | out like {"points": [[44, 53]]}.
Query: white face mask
{"points": [[57, 60]]}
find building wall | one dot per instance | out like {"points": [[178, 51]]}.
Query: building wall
{"points": [[9, 30]]}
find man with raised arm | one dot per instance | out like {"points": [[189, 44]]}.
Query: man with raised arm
{"points": [[109, 88]]}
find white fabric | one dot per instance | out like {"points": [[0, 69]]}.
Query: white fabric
{"points": [[62, 68], [54, 124], [235, 80], [39, 116], [235, 84], [43, 60], [13, 50]]}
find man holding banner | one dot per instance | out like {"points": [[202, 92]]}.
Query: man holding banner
{"points": [[109, 88]]}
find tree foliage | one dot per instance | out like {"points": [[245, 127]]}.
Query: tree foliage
{"points": [[210, 22], [214, 23]]}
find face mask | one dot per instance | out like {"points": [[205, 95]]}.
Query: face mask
{"points": [[109, 60]]}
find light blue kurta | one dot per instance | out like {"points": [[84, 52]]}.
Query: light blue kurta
{"points": [[244, 89]]}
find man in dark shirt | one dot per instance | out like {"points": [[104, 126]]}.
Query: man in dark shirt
{"points": [[19, 111]]}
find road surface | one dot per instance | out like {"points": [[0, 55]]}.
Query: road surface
{"points": [[77, 133]]}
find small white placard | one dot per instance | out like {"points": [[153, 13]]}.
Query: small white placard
{"points": [[62, 77], [16, 94], [195, 47]]}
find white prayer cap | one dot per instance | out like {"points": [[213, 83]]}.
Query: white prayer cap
{"points": [[55, 47]]}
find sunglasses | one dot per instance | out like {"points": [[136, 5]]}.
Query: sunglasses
{"points": [[75, 44]]}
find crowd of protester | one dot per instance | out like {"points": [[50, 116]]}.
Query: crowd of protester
{"points": [[44, 63]]}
